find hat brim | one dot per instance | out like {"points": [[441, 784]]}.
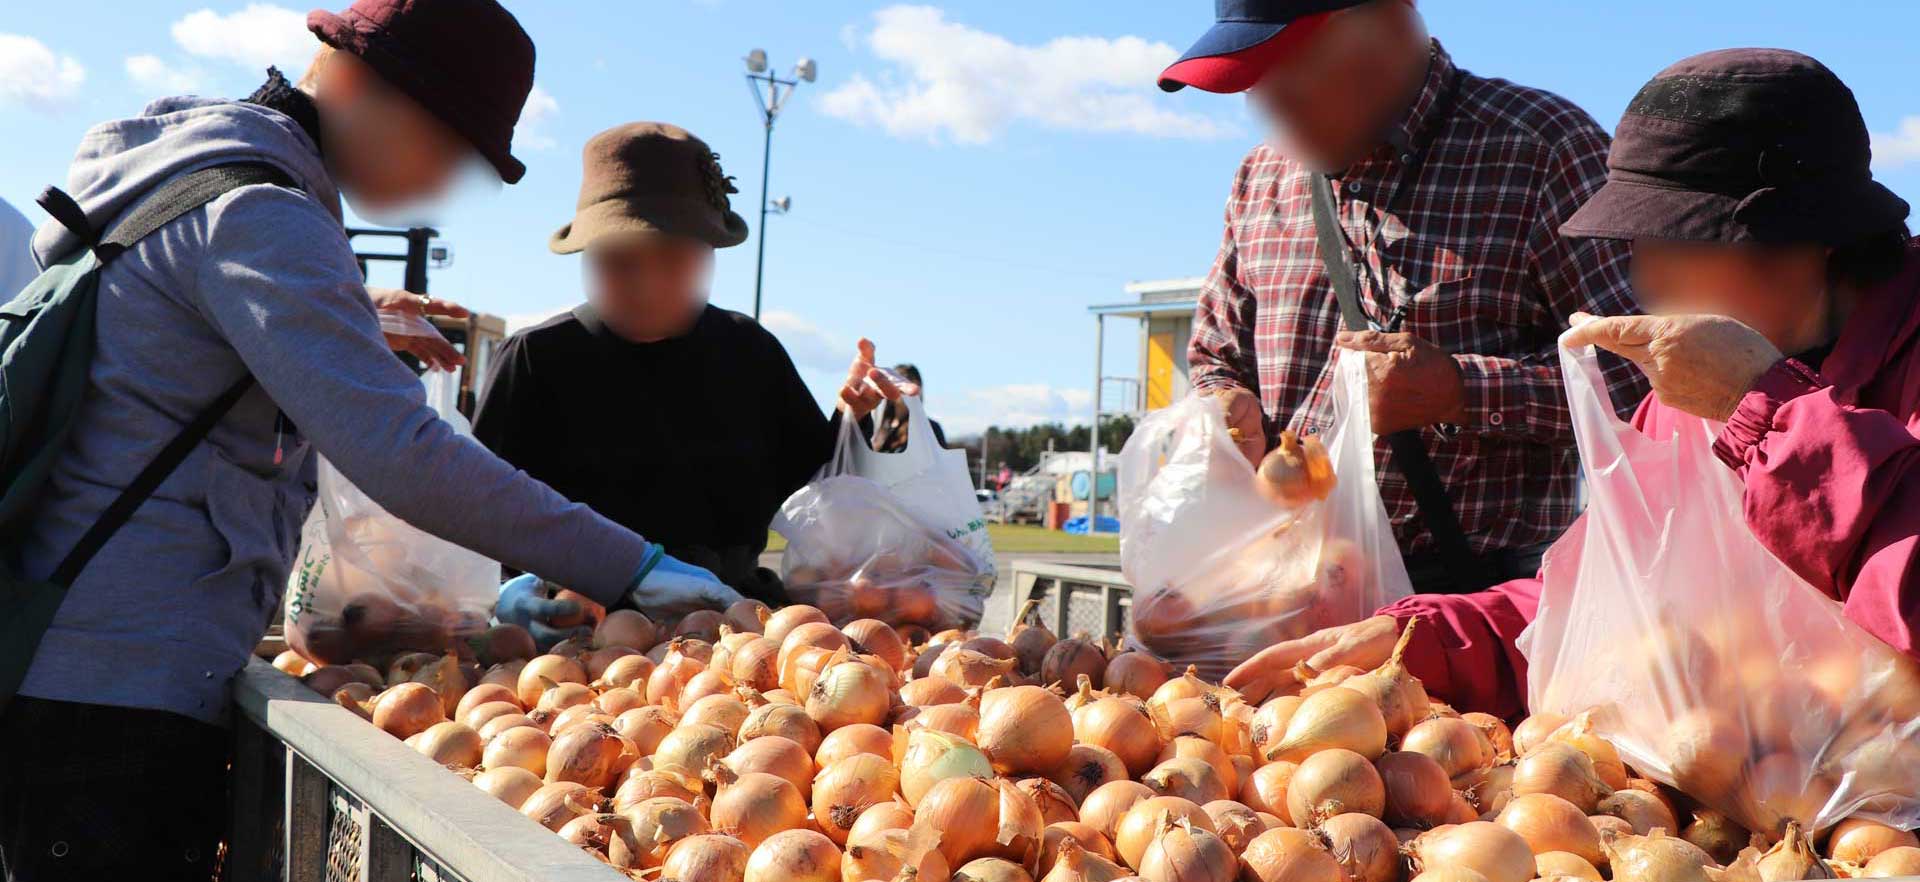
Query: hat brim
{"points": [[1233, 56], [1627, 209], [666, 216]]}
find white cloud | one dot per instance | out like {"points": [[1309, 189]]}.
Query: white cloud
{"points": [[970, 411], [33, 75], [951, 80], [256, 36], [810, 347], [540, 110], [156, 75], [1897, 148]]}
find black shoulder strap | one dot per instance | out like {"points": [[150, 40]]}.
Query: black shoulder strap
{"points": [[1470, 571], [170, 201]]}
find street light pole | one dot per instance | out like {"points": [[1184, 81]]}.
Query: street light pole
{"points": [[770, 105]]}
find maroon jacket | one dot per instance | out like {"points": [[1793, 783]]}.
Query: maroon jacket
{"points": [[1831, 461]]}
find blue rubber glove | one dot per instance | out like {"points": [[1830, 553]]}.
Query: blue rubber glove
{"points": [[523, 601], [666, 587]]}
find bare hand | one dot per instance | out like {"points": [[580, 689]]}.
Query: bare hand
{"points": [[1700, 364], [1245, 422], [1410, 382], [868, 385], [1364, 644], [434, 352]]}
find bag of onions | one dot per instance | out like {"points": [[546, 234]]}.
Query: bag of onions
{"points": [[892, 536], [368, 584], [1709, 664], [1227, 560]]}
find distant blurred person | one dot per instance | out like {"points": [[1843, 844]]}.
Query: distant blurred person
{"points": [[890, 435]]}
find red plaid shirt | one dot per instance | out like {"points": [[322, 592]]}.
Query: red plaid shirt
{"points": [[1473, 261]]}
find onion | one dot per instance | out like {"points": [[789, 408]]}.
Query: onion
{"points": [[523, 747], [784, 620], [931, 757], [646, 727], [1417, 790], [1269, 723], [849, 740], [1457, 745], [875, 637], [691, 749], [1186, 777], [640, 785], [1450, 874], [746, 616], [1581, 736], [1088, 766], [671, 677], [1288, 854], [930, 690], [991, 870], [849, 692], [407, 710], [506, 673], [1643, 811], [965, 811], [707, 856], [1234, 823], [1656, 857], [602, 834], [1901, 860], [1333, 782], [1335, 718], [628, 670], [1364, 846], [1030, 642], [1792, 858], [592, 754], [894, 853], [1075, 863], [1859, 841], [479, 715], [1609, 827], [1185, 853], [1107, 804], [628, 628], [701, 624], [1024, 730], [1533, 731], [819, 635], [509, 784], [794, 856], [967, 668], [543, 673], [845, 790], [1054, 804], [704, 684], [756, 663], [564, 695], [1146, 819], [1561, 770], [1204, 716], [1546, 865], [1134, 673], [503, 642], [1068, 660], [1497, 734], [1194, 747], [1399, 695], [1489, 849], [1080, 834], [479, 696], [755, 805], [505, 722], [1266, 789], [1549, 823], [556, 803], [1187, 685], [618, 700], [1708, 753], [1121, 728], [775, 756], [961, 719], [653, 827]]}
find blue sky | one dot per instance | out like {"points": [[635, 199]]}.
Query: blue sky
{"points": [[967, 177]]}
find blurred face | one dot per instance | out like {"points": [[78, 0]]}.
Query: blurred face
{"points": [[384, 149], [1778, 290], [649, 287], [1329, 100]]}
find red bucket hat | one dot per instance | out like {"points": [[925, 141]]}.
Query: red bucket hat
{"points": [[467, 62]]}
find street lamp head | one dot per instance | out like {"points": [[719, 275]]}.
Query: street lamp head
{"points": [[806, 70], [757, 61]]}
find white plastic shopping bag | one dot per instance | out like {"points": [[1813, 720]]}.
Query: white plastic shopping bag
{"points": [[368, 584], [1220, 572], [893, 536], [1705, 660]]}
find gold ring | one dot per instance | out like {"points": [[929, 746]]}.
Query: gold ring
{"points": [[425, 301]]}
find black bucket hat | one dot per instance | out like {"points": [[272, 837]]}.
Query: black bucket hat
{"points": [[1741, 145]]}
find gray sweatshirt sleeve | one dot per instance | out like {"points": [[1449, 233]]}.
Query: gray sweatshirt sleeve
{"points": [[278, 280]]}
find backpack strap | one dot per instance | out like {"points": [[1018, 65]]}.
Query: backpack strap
{"points": [[158, 208]]}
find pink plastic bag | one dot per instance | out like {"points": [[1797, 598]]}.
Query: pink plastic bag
{"points": [[1706, 661], [1219, 572]]}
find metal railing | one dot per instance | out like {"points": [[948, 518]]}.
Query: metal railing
{"points": [[1072, 599], [319, 795]]}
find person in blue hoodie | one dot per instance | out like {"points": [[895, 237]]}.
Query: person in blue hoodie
{"points": [[112, 756]]}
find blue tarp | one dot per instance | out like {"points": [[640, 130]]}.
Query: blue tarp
{"points": [[1079, 525]]}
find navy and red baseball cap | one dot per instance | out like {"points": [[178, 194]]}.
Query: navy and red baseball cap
{"points": [[1247, 38]]}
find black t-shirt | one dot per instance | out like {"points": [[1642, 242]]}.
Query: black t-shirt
{"points": [[691, 442]]}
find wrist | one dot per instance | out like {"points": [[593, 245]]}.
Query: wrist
{"points": [[655, 554]]}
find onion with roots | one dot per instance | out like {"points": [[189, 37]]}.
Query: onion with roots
{"points": [[522, 747], [656, 824], [843, 791], [1417, 791], [794, 856], [1333, 782], [1656, 857], [592, 754], [1561, 770], [1549, 823], [1489, 849], [1145, 820], [774, 755], [508, 784], [1024, 730], [929, 691], [1859, 841], [1108, 803], [690, 749], [1134, 673], [1186, 853], [544, 672], [1560, 863], [755, 805], [1266, 789], [849, 740], [707, 856], [1364, 846], [1289, 854], [930, 757], [1088, 766], [1641, 810], [1457, 745], [1074, 863], [554, 804], [1397, 692], [1192, 779], [1120, 727], [1901, 860], [407, 710], [1716, 834], [1333, 718]]}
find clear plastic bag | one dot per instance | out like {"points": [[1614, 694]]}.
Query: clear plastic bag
{"points": [[1705, 660], [892, 536], [368, 584], [1220, 572]]}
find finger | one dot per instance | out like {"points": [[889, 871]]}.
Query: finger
{"points": [[547, 609], [1614, 333], [447, 308], [884, 384], [1364, 341], [866, 350], [545, 635], [436, 352]]}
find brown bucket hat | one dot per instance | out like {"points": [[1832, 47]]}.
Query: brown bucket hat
{"points": [[651, 178], [1741, 145]]}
